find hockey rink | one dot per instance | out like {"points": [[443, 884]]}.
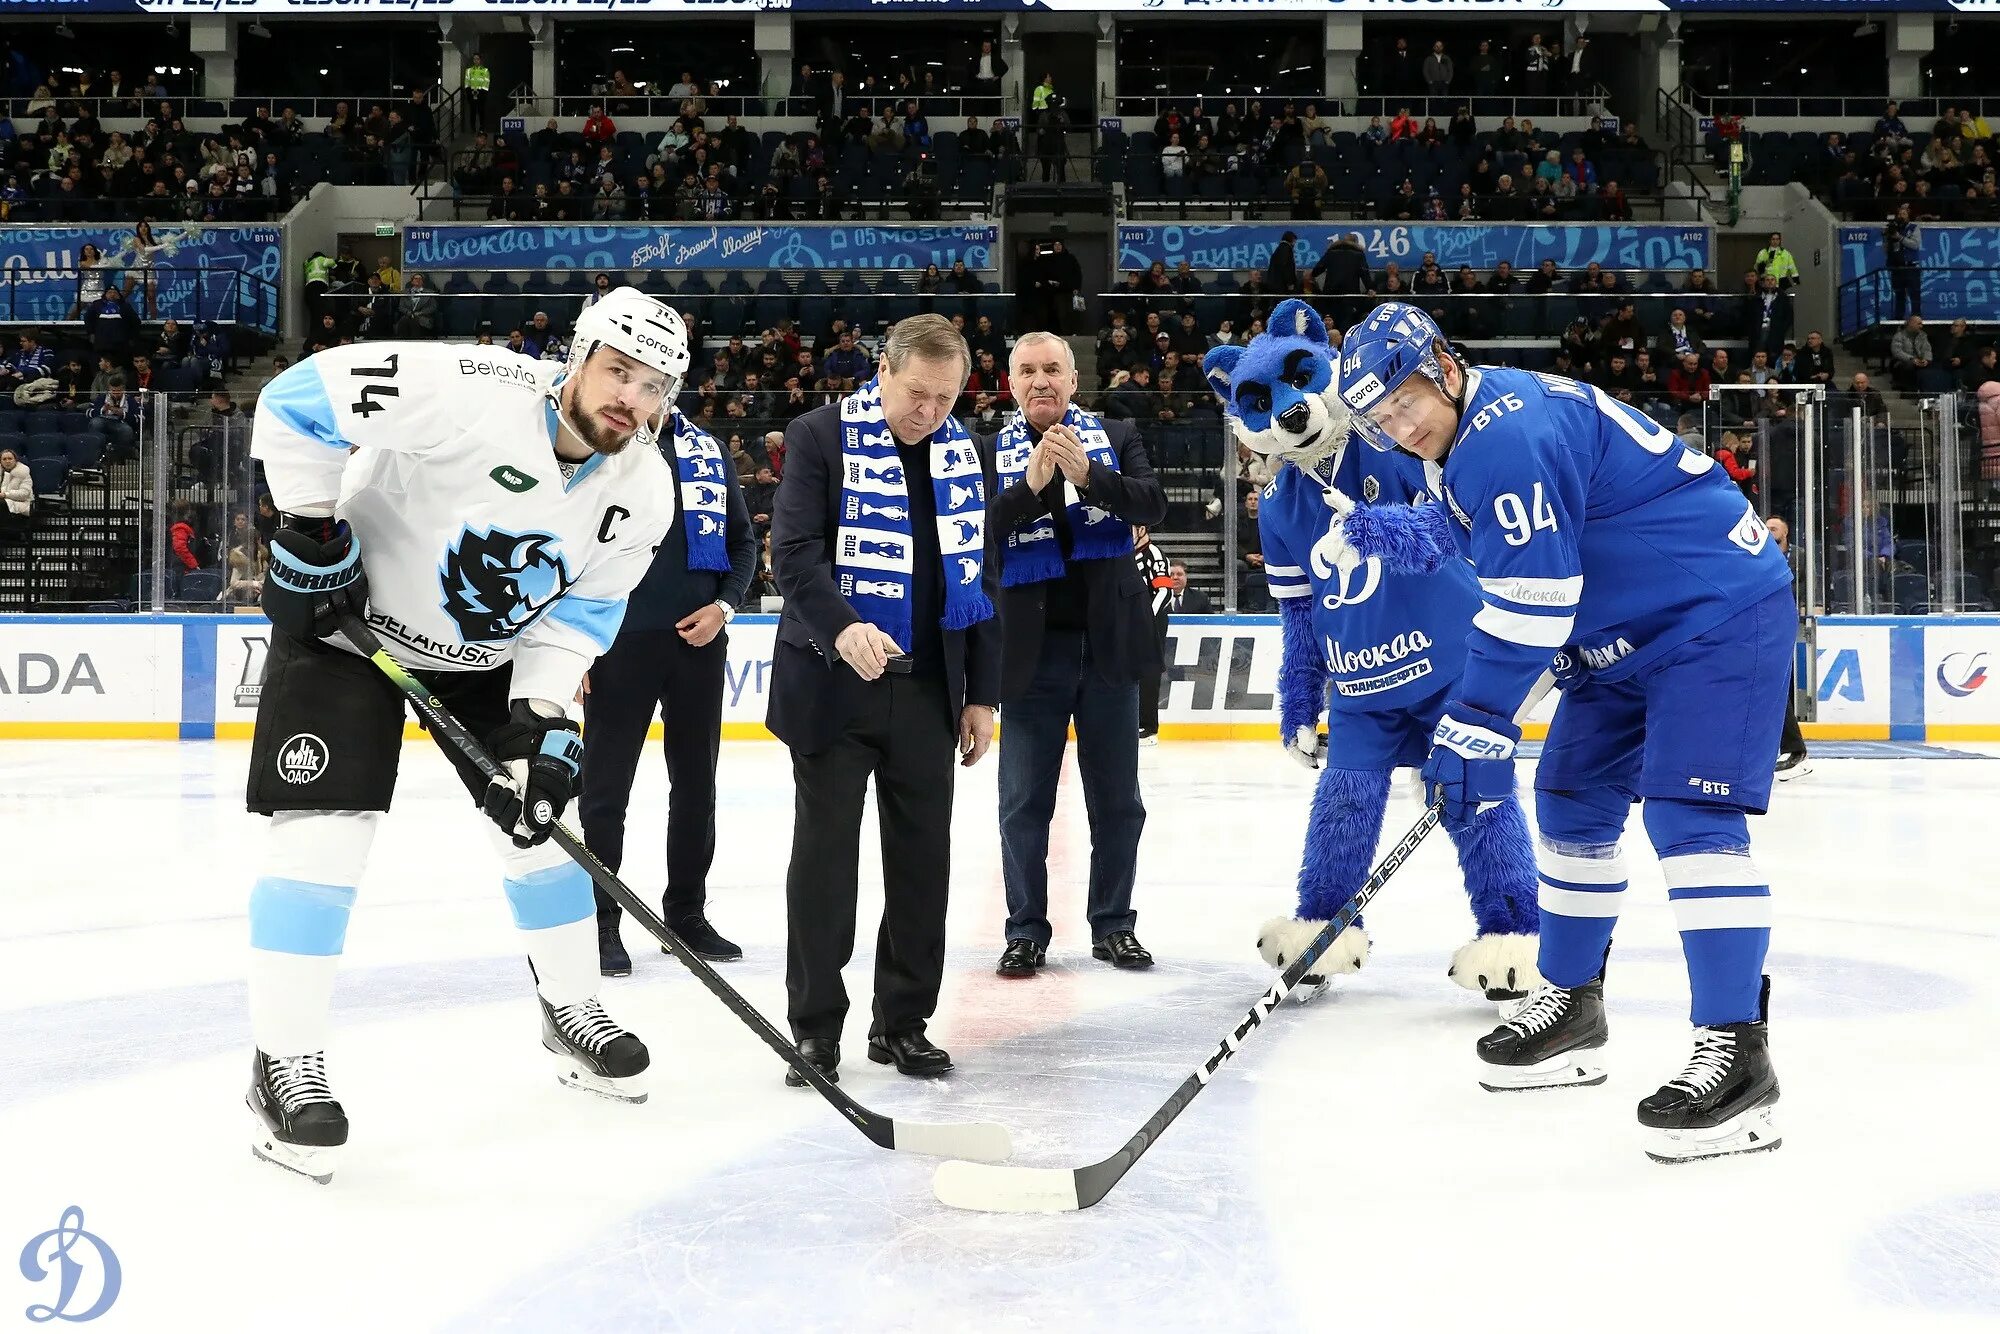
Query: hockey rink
{"points": [[1345, 1172]]}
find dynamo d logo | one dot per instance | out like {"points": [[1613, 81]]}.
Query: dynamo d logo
{"points": [[1961, 673], [85, 1271], [496, 583]]}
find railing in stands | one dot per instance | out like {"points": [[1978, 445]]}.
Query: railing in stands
{"points": [[1885, 297], [1680, 129], [1923, 208], [1868, 107], [314, 110], [937, 107], [1490, 109], [34, 295]]}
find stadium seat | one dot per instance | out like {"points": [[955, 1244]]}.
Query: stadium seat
{"points": [[46, 445], [51, 476], [85, 451], [199, 586], [1912, 594]]}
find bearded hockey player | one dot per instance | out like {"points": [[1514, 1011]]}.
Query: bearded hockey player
{"points": [[487, 514], [1595, 532], [1375, 606]]}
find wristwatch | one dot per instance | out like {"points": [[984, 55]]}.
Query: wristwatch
{"points": [[728, 612]]}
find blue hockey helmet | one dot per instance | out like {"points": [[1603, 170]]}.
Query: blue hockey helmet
{"points": [[1395, 341]]}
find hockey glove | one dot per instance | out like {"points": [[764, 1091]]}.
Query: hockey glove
{"points": [[1471, 766], [542, 752], [315, 576], [1307, 745]]}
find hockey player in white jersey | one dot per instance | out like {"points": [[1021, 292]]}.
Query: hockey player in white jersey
{"points": [[488, 515]]}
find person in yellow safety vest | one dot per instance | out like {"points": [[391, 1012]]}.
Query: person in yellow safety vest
{"points": [[478, 82], [1043, 92], [1777, 261], [319, 277]]}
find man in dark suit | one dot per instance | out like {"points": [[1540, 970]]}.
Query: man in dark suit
{"points": [[1079, 638], [852, 702], [1182, 600], [671, 653]]}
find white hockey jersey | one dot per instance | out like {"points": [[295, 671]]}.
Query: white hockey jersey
{"points": [[478, 550]]}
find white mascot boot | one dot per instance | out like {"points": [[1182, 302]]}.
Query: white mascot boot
{"points": [[1500, 966], [1284, 939]]}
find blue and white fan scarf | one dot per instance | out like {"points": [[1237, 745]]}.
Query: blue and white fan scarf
{"points": [[872, 560], [1033, 552], [704, 476]]}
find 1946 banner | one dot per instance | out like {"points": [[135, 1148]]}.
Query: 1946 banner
{"points": [[729, 246], [1482, 245], [225, 274]]}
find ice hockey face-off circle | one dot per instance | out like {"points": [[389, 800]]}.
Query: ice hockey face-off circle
{"points": [[302, 758]]}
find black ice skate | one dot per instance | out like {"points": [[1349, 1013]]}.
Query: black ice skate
{"points": [[1551, 1041], [1722, 1102], [1792, 766], [299, 1126], [592, 1052]]}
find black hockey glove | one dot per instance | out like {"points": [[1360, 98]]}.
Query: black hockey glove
{"points": [[542, 757], [314, 577]]}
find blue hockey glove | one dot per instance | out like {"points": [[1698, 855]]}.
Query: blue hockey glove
{"points": [[1471, 764], [542, 754]]}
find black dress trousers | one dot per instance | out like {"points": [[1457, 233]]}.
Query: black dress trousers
{"points": [[644, 669]]}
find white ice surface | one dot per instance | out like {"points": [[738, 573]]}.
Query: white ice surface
{"points": [[1344, 1173]]}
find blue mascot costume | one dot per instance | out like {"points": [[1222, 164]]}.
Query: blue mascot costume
{"points": [[1376, 608]]}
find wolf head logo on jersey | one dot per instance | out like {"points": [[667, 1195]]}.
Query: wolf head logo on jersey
{"points": [[496, 583], [1281, 389]]}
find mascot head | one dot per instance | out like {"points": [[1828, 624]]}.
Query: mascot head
{"points": [[1282, 390]]}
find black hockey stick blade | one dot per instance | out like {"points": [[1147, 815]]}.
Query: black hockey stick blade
{"points": [[980, 1141], [991, 1188]]}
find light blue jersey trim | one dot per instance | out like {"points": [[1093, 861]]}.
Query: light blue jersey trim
{"points": [[590, 465], [597, 619], [297, 917], [298, 399], [554, 897]]}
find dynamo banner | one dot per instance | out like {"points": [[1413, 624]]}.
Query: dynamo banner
{"points": [[731, 246], [1482, 245], [1972, 290], [221, 273]]}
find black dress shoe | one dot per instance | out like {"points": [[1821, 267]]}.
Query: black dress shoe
{"points": [[823, 1054], [1022, 958], [612, 960], [703, 939], [911, 1053], [1122, 950]]}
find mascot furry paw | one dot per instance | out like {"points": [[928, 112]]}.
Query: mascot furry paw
{"points": [[1281, 393]]}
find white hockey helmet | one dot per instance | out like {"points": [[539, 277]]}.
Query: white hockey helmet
{"points": [[644, 328]]}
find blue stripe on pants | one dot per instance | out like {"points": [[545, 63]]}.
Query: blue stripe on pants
{"points": [[297, 917], [553, 897]]}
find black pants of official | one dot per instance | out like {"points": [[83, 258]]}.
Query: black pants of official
{"points": [[644, 669], [1793, 742], [905, 738]]}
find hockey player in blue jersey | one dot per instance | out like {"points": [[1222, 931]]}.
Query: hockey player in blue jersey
{"points": [[1375, 605], [1595, 532]]}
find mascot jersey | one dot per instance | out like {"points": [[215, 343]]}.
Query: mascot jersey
{"points": [[1590, 525], [1392, 641], [481, 547]]}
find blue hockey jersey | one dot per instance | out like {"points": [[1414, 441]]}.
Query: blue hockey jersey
{"points": [[1391, 640], [1588, 524]]}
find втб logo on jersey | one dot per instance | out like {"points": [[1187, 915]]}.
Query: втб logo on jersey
{"points": [[496, 582]]}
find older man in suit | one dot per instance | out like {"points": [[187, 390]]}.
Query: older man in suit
{"points": [[1079, 637], [887, 665]]}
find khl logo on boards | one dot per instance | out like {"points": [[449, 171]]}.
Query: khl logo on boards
{"points": [[1961, 673], [84, 1270], [302, 758]]}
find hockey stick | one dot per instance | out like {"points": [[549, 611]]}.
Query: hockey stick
{"points": [[1047, 1190], [1052, 1190], [981, 1141]]}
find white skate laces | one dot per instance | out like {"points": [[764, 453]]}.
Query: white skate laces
{"points": [[299, 1080], [588, 1025], [1714, 1053], [1540, 1011]]}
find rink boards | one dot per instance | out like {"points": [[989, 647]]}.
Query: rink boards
{"points": [[197, 677]]}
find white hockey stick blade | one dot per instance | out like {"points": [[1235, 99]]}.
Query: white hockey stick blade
{"points": [[1006, 1190], [980, 1141]]}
